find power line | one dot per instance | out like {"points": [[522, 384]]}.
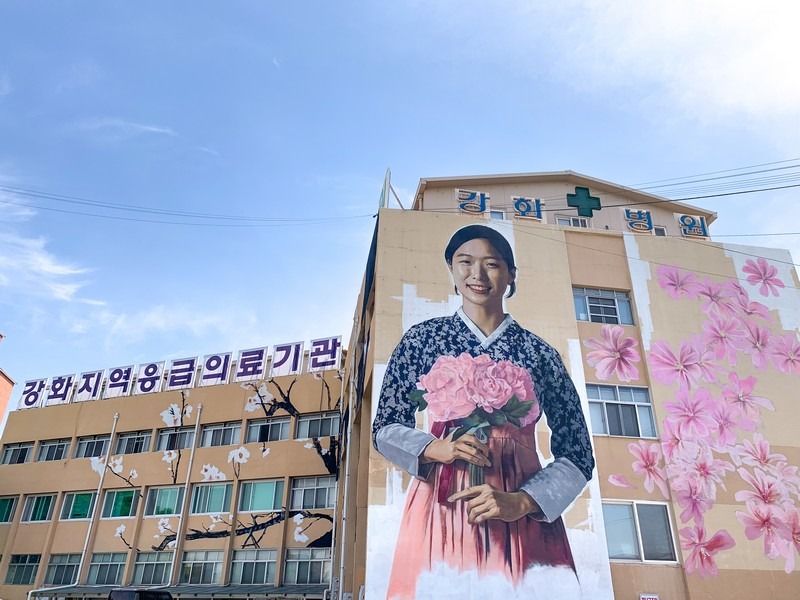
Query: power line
{"points": [[768, 164]]}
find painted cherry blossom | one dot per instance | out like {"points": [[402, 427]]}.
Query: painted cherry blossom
{"points": [[709, 472], [133, 474], [716, 298], [667, 367], [613, 354], [727, 420], [252, 404], [785, 353], [212, 473], [757, 453], [724, 336], [119, 531], [750, 309], [620, 481], [766, 520], [756, 342], [264, 452], [171, 415], [675, 443], [764, 275], [792, 521], [677, 283], [648, 465], [98, 464], [164, 525], [740, 394], [692, 498], [766, 490], [169, 456], [701, 551], [692, 412], [706, 361], [115, 464]]}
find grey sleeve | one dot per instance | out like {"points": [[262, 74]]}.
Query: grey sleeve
{"points": [[554, 488], [403, 446]]}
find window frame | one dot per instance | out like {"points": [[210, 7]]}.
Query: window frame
{"points": [[96, 567], [330, 493], [226, 500], [28, 508], [300, 552], [86, 442], [634, 504], [282, 423], [46, 445], [584, 294], [141, 439], [234, 428], [216, 573], [154, 492], [617, 401], [656, 229], [28, 565], [72, 560], [181, 435], [69, 503], [246, 495], [110, 503], [12, 452], [253, 556], [140, 568], [308, 420], [12, 510], [583, 222]]}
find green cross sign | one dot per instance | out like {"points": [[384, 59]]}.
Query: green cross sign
{"points": [[583, 201]]}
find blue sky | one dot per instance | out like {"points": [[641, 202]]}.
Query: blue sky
{"points": [[293, 111]]}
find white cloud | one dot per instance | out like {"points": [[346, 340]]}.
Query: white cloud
{"points": [[122, 128]]}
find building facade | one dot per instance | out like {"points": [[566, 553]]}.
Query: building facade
{"points": [[684, 353], [213, 476]]}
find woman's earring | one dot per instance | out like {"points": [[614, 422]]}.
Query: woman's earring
{"points": [[456, 290]]}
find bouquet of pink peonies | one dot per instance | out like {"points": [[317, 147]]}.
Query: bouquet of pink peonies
{"points": [[475, 393]]}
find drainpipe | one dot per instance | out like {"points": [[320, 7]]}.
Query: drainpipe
{"points": [[184, 507], [96, 501], [336, 507], [342, 552]]}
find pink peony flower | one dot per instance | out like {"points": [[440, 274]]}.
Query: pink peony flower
{"points": [[702, 551], [487, 391], [785, 353], [613, 354], [648, 455], [766, 520], [677, 283], [667, 368], [763, 274], [446, 386]]}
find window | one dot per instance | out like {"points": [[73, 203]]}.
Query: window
{"points": [[221, 434], [314, 426], [660, 231], [498, 215], [602, 306], [62, 569], [164, 501], [211, 498], [313, 492], [620, 410], [253, 567], [53, 450], [7, 506], [38, 508], [573, 221], [201, 567], [261, 495], [152, 568], [175, 439], [134, 442], [92, 445], [120, 503], [268, 430], [22, 569], [78, 505], [638, 531], [106, 568], [307, 565], [16, 454]]}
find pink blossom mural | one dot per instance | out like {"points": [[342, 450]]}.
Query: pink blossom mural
{"points": [[709, 434], [613, 354]]}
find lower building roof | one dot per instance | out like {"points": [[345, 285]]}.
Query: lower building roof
{"points": [[310, 591]]}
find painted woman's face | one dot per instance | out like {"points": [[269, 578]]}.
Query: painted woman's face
{"points": [[480, 274]]}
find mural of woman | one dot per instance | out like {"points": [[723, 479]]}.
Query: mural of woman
{"points": [[480, 500]]}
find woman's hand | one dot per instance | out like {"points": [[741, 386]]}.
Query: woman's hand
{"points": [[467, 448], [485, 502]]}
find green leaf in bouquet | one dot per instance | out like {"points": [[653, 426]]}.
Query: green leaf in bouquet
{"points": [[497, 418], [515, 408], [461, 431], [418, 397], [471, 429]]}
